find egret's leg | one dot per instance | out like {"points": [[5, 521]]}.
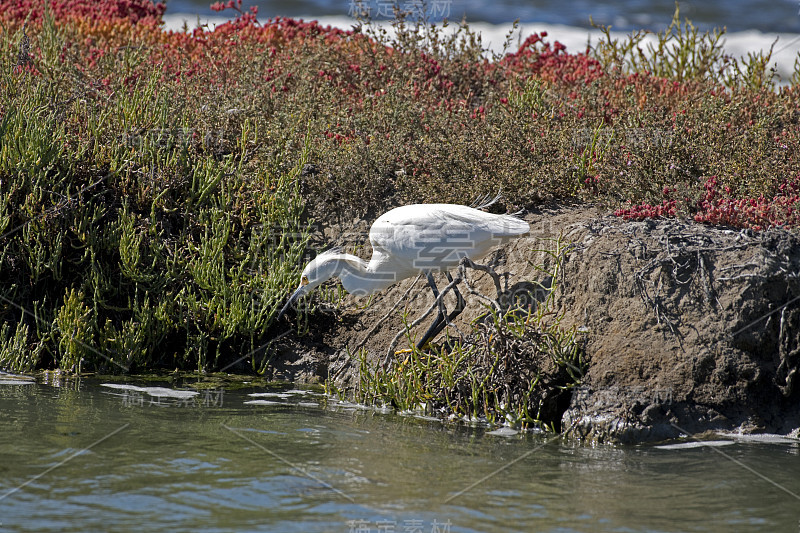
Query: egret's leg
{"points": [[434, 328], [441, 322], [460, 303], [432, 284]]}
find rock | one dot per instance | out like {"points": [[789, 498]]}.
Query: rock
{"points": [[693, 328]]}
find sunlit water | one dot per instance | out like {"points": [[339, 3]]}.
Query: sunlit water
{"points": [[736, 15], [753, 26], [164, 461]]}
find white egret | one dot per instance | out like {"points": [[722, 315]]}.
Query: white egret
{"points": [[412, 239]]}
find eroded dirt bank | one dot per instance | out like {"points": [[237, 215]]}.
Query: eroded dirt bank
{"points": [[687, 327]]}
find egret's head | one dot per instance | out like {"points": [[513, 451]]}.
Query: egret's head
{"points": [[322, 268]]}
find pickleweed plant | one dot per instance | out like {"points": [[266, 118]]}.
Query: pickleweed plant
{"points": [[165, 181], [682, 53], [129, 241]]}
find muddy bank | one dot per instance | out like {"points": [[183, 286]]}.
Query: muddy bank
{"points": [[687, 327]]}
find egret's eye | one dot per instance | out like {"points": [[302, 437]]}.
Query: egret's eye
{"points": [[304, 280]]}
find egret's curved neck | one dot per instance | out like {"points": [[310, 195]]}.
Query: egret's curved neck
{"points": [[358, 279]]}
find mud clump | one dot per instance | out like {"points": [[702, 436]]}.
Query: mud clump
{"points": [[689, 328]]}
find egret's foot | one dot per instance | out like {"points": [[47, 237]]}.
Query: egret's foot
{"points": [[406, 352], [430, 345]]}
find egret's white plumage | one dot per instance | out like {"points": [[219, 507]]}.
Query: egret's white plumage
{"points": [[412, 239]]}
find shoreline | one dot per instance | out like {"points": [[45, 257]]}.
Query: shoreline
{"points": [[737, 44], [157, 219], [659, 365], [716, 353]]}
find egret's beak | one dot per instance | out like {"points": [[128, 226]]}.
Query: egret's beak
{"points": [[300, 291]]}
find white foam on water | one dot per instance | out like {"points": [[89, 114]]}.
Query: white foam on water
{"points": [[158, 392], [264, 402], [736, 44], [765, 438], [695, 444], [503, 432], [344, 404], [269, 395], [422, 417]]}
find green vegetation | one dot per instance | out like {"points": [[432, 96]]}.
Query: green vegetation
{"points": [[517, 366], [133, 234], [158, 190]]}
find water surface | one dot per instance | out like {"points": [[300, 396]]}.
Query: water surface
{"points": [[736, 15], [80, 456]]}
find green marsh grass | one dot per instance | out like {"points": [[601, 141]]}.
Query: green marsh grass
{"points": [[156, 192], [128, 243], [682, 53], [516, 366]]}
